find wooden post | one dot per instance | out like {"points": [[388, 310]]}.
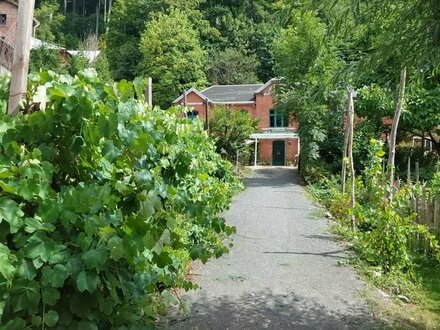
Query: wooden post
{"points": [[236, 163], [392, 145], [20, 64], [408, 174], [417, 172], [207, 114], [150, 92], [344, 151], [350, 155], [255, 152]]}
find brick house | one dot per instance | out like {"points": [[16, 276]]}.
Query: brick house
{"points": [[276, 143], [8, 26]]}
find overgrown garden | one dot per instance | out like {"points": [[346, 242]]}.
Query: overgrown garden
{"points": [[104, 202]]}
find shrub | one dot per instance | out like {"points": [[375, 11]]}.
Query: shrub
{"points": [[103, 203]]}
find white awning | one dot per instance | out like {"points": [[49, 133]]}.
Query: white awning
{"points": [[274, 135]]}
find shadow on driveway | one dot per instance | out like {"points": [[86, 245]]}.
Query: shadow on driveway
{"points": [[264, 310], [267, 177]]}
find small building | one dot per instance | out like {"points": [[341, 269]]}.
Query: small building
{"points": [[276, 143], [8, 27]]}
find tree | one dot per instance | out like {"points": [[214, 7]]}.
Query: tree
{"points": [[126, 24], [232, 66], [308, 62], [422, 115], [173, 56], [50, 19], [231, 128]]}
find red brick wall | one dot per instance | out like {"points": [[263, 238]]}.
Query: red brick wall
{"points": [[196, 102], [8, 31], [266, 151], [265, 103]]}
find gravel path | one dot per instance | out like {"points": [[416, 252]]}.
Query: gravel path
{"points": [[282, 272]]}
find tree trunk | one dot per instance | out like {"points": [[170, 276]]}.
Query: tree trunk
{"points": [[392, 143], [98, 8], [108, 15]]}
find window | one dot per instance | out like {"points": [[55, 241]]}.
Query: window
{"points": [[2, 19], [278, 119], [192, 114]]}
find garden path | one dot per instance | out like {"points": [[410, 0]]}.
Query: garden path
{"points": [[283, 271]]}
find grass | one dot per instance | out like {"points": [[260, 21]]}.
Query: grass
{"points": [[423, 311], [422, 289]]}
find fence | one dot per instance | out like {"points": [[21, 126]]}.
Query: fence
{"points": [[427, 208]]}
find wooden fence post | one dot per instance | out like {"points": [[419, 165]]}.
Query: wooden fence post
{"points": [[350, 155], [392, 144], [22, 48], [344, 150]]}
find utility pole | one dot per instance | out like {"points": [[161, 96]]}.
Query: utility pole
{"points": [[20, 64]]}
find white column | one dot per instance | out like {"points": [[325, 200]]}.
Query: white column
{"points": [[255, 153]]}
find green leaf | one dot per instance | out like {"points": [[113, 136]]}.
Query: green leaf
{"points": [[87, 281], [51, 318], [88, 74], [36, 247], [41, 97], [55, 276], [51, 296], [59, 275], [34, 224], [163, 259], [11, 212], [6, 267], [25, 295], [116, 247], [15, 324], [95, 258], [36, 320]]}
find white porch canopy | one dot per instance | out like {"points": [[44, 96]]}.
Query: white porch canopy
{"points": [[270, 135]]}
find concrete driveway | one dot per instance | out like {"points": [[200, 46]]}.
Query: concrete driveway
{"points": [[283, 271]]}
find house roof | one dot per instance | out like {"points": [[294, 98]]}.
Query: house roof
{"points": [[189, 91], [37, 43], [231, 93]]}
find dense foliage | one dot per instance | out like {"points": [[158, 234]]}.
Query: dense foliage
{"points": [[387, 236], [103, 203], [230, 129], [169, 41]]}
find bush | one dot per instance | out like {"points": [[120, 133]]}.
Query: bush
{"points": [[103, 203], [386, 230]]}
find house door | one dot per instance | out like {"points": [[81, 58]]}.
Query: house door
{"points": [[278, 153]]}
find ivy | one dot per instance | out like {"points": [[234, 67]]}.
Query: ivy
{"points": [[103, 203]]}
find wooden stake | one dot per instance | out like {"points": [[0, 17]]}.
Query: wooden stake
{"points": [[417, 172], [392, 144], [344, 150], [150, 92], [350, 156], [20, 64]]}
